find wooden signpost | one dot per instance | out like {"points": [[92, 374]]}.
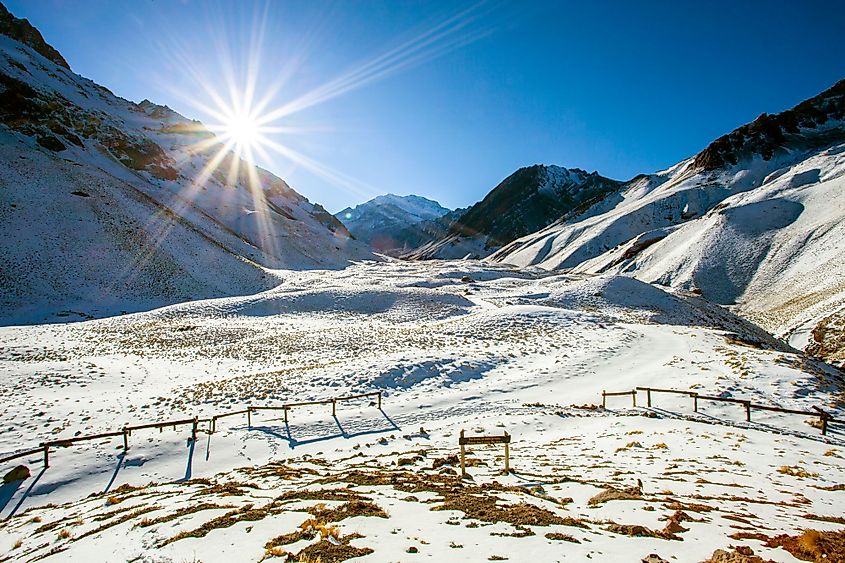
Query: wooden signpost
{"points": [[464, 441]]}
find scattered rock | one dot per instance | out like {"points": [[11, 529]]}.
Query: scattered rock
{"points": [[19, 473], [741, 554]]}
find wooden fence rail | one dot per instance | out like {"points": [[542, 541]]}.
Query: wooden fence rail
{"points": [[824, 417], [333, 402], [605, 395], [126, 431]]}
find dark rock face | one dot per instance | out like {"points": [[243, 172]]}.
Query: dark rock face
{"points": [[21, 30], [53, 119], [530, 199], [140, 154], [51, 143], [802, 128]]}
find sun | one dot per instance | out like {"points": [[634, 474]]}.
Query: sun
{"points": [[242, 130]]}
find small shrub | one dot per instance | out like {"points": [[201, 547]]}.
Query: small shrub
{"points": [[64, 534], [17, 544]]}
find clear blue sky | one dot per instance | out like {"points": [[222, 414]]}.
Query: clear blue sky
{"points": [[617, 87]]}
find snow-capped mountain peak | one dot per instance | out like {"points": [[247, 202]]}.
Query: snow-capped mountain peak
{"points": [[391, 223]]}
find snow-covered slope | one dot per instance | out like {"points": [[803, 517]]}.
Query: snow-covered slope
{"points": [[392, 224], [755, 220], [452, 346], [107, 205], [527, 200]]}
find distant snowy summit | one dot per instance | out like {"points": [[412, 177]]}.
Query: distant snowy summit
{"points": [[526, 201], [394, 224]]}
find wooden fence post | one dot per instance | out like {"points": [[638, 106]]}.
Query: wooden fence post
{"points": [[748, 411], [603, 399], [334, 407], [507, 455], [695, 402], [285, 410], [249, 417], [46, 456], [125, 438], [648, 396], [194, 430], [822, 419], [379, 400], [634, 397], [463, 453]]}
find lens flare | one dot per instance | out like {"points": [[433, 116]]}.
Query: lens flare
{"points": [[244, 115]]}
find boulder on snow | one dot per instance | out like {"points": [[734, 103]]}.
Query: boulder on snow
{"points": [[19, 473]]}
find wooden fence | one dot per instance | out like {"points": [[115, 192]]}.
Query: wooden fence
{"points": [[824, 417], [126, 431]]}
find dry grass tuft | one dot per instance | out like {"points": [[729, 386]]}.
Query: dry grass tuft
{"points": [[740, 554], [64, 534], [635, 530], [147, 522], [629, 445], [486, 509], [630, 493], [834, 519], [244, 514], [562, 537], [811, 545], [346, 510], [325, 551], [276, 551], [18, 543], [796, 471]]}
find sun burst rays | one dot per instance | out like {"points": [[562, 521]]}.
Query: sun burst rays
{"points": [[249, 119]]}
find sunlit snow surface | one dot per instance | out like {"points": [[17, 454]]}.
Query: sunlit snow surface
{"points": [[452, 346]]}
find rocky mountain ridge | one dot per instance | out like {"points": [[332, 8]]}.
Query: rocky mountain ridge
{"points": [[528, 200]]}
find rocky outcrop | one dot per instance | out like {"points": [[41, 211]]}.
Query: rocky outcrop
{"points": [[21, 30], [769, 134]]}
